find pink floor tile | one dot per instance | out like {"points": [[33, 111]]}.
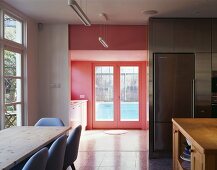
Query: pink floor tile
{"points": [[99, 151]]}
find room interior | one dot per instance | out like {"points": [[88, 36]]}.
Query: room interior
{"points": [[139, 76]]}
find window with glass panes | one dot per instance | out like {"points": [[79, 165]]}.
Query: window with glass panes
{"points": [[12, 53]]}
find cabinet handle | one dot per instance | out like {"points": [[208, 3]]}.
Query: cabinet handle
{"points": [[192, 150], [193, 98], [175, 131]]}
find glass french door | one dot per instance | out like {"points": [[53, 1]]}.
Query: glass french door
{"points": [[104, 96], [129, 93], [116, 96]]}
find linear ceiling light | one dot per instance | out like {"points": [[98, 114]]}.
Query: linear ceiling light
{"points": [[103, 42], [82, 16]]}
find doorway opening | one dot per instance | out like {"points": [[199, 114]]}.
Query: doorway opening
{"points": [[126, 95]]}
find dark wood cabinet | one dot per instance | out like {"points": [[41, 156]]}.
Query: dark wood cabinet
{"points": [[163, 137], [202, 35], [162, 35], [174, 74], [203, 85], [214, 61], [197, 36], [214, 35], [183, 35]]}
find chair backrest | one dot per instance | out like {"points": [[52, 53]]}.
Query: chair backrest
{"points": [[56, 154], [50, 122], [38, 161], [72, 146]]}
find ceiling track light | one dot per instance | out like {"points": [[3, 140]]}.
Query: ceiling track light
{"points": [[103, 42], [82, 16]]}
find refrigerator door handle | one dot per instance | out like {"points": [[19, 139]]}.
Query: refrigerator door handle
{"points": [[193, 98]]}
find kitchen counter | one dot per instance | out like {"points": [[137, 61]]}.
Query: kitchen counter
{"points": [[75, 102], [202, 134], [78, 113], [201, 131]]}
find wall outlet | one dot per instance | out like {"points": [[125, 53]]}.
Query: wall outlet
{"points": [[82, 96]]}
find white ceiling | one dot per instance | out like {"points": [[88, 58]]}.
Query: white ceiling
{"points": [[126, 12]]}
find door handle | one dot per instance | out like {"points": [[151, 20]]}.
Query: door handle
{"points": [[193, 98]]}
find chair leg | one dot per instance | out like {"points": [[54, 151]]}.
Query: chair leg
{"points": [[73, 167]]}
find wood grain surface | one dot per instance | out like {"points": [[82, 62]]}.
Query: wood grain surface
{"points": [[202, 132], [18, 143]]}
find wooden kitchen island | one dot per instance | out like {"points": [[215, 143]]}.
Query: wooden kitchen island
{"points": [[202, 133]]}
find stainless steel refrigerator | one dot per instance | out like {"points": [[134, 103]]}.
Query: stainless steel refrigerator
{"points": [[173, 94]]}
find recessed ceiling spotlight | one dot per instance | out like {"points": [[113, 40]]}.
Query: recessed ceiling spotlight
{"points": [[149, 12]]}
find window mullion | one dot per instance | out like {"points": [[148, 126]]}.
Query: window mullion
{"points": [[1, 74], [13, 77], [13, 46], [12, 103], [1, 89]]}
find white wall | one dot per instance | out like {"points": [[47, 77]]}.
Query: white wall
{"points": [[32, 72], [54, 88]]}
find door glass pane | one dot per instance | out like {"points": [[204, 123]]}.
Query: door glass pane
{"points": [[104, 92], [12, 63], [12, 115], [12, 29], [129, 93]]}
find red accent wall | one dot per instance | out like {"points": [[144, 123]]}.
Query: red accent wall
{"points": [[82, 83], [119, 37]]}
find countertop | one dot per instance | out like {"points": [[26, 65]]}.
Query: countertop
{"points": [[75, 102], [202, 132]]}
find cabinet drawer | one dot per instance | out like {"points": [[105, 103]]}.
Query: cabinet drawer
{"points": [[75, 112]]}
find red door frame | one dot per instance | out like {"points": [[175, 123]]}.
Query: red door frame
{"points": [[141, 124]]}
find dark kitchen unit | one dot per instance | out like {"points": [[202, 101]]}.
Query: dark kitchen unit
{"points": [[197, 38], [174, 88]]}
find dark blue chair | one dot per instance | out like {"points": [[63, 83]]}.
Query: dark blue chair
{"points": [[72, 146], [50, 122], [38, 161], [56, 154]]}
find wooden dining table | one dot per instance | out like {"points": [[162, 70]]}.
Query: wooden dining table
{"points": [[19, 143]]}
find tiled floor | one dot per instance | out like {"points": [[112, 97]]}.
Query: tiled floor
{"points": [[100, 151]]}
